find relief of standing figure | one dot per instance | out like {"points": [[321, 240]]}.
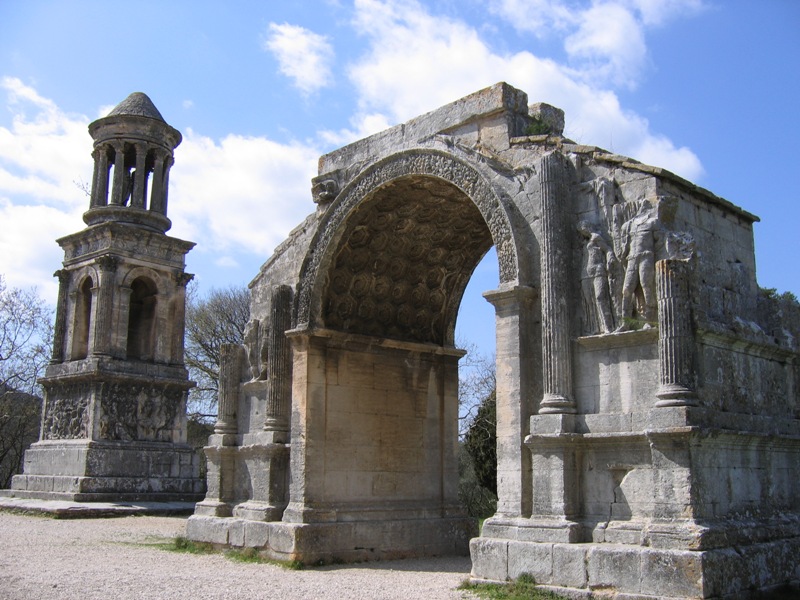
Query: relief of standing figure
{"points": [[641, 233], [600, 264]]}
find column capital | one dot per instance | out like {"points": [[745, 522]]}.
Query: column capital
{"points": [[63, 276], [504, 295], [182, 279], [107, 263]]}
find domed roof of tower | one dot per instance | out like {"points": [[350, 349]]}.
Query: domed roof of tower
{"points": [[137, 104]]}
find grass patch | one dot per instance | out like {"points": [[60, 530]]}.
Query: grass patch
{"points": [[537, 126], [243, 555], [523, 588]]}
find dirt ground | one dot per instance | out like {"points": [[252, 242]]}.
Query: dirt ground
{"points": [[118, 559]]}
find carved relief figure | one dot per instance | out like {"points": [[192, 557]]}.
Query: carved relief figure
{"points": [[255, 341], [640, 234], [67, 417], [600, 264]]}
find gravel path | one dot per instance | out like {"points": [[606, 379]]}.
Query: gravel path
{"points": [[110, 559]]}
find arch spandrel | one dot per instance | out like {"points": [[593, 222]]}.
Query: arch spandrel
{"points": [[417, 163]]}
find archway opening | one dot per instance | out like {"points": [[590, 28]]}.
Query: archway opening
{"points": [[383, 360]]}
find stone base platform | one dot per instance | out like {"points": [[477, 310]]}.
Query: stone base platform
{"points": [[627, 572], [63, 509], [90, 471], [357, 541]]}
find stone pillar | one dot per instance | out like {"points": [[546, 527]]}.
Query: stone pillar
{"points": [[514, 320], [101, 331], [60, 327], [120, 175], [179, 317], [555, 274], [230, 376], [100, 177], [157, 193], [168, 162], [120, 328], [139, 190], [675, 335], [279, 356]]}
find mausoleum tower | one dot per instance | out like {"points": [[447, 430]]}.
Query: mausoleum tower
{"points": [[114, 418]]}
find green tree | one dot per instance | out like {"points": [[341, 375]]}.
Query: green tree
{"points": [[480, 443], [26, 334], [218, 318]]}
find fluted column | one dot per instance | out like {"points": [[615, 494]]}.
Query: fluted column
{"points": [[100, 177], [675, 334], [279, 357], [139, 178], [157, 192], [105, 305], [555, 269], [118, 185], [168, 162], [60, 329], [230, 375]]}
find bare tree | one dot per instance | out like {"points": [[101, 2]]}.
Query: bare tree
{"points": [[476, 381], [26, 333], [477, 427], [218, 318]]}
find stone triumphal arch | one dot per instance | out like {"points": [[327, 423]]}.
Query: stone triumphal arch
{"points": [[646, 388]]}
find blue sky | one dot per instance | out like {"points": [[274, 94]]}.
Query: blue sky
{"points": [[706, 88]]}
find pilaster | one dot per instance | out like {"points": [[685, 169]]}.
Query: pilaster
{"points": [[514, 321], [280, 361]]}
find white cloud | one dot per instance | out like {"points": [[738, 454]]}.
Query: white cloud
{"points": [[416, 62], [29, 253], [44, 150], [227, 262], [240, 194], [539, 17], [44, 154], [608, 45], [658, 12], [363, 125], [303, 56], [604, 39]]}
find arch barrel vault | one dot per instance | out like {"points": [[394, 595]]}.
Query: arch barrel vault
{"points": [[648, 432]]}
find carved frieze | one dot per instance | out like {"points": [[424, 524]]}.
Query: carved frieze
{"points": [[66, 413], [118, 239], [141, 412]]}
